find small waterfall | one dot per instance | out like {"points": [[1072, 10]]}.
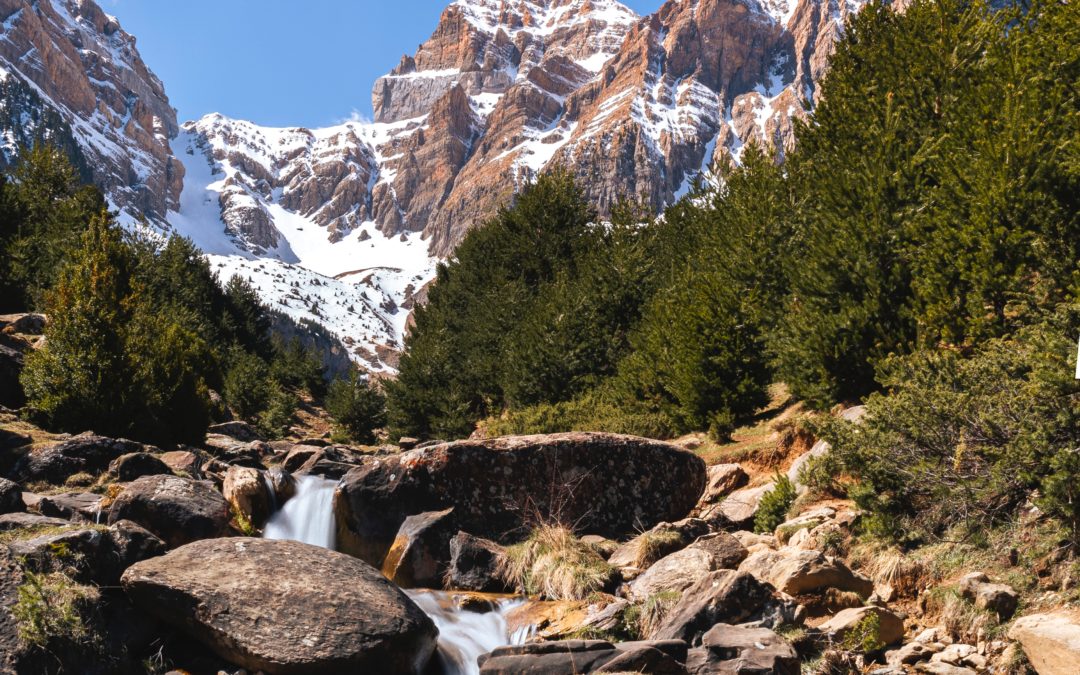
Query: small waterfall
{"points": [[465, 635], [309, 516]]}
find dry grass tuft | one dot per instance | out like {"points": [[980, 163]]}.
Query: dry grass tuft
{"points": [[555, 564], [655, 609], [655, 544]]}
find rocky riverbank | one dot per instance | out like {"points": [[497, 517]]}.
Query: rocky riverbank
{"points": [[629, 555]]}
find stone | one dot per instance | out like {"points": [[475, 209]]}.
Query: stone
{"points": [[474, 563], [954, 654], [586, 656], [298, 455], [998, 598], [939, 668], [739, 508], [740, 650], [81, 506], [240, 430], [179, 510], [248, 494], [339, 615], [89, 554], [136, 465], [663, 539], [796, 571], [331, 462], [909, 654], [408, 443], [803, 523], [236, 453], [420, 554], [87, 453], [891, 629], [682, 569], [722, 596], [1051, 641], [606, 484], [723, 479], [11, 500], [283, 485], [183, 462], [22, 521]]}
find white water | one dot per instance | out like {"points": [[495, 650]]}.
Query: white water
{"points": [[309, 516], [463, 635]]}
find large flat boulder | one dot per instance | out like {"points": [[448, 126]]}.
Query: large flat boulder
{"points": [[607, 484], [797, 571], [285, 608], [586, 656], [83, 453], [742, 650], [1051, 641], [179, 510]]}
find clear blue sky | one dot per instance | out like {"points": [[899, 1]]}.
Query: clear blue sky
{"points": [[278, 62]]}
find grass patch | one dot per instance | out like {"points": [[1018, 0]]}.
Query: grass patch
{"points": [[655, 609], [52, 608], [655, 544], [555, 564]]}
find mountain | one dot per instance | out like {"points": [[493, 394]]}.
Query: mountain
{"points": [[343, 225]]}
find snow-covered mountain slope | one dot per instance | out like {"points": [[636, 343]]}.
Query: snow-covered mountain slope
{"points": [[344, 225]]}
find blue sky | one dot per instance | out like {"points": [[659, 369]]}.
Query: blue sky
{"points": [[279, 62]]}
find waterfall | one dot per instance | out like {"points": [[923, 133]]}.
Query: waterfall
{"points": [[463, 635], [307, 517]]}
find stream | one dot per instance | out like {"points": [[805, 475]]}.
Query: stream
{"points": [[463, 635]]}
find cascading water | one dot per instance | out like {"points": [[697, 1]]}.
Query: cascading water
{"points": [[464, 635], [307, 517]]}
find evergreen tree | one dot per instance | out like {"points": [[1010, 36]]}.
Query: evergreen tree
{"points": [[357, 406]]}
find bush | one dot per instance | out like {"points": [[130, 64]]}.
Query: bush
{"points": [[555, 564], [280, 411], [593, 411], [357, 406], [962, 440], [247, 384], [774, 506]]}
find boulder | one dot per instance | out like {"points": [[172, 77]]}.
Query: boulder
{"points": [[891, 629], [23, 324], [740, 650], [11, 500], [663, 539], [420, 554], [722, 596], [298, 455], [1051, 641], [819, 449], [90, 554], [804, 523], [607, 484], [740, 507], [474, 563], [236, 453], [84, 453], [797, 571], [284, 608], [11, 366], [723, 479], [331, 462], [183, 462], [23, 521], [240, 430], [179, 510], [998, 598], [586, 656], [81, 506], [136, 465], [248, 494], [283, 484], [684, 568]]}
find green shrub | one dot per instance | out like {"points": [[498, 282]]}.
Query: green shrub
{"points": [[593, 411], [775, 504], [280, 411], [247, 384], [357, 406], [864, 636]]}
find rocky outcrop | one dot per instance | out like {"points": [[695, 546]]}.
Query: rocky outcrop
{"points": [[740, 650], [1050, 641], [87, 74], [890, 626], [179, 510], [284, 608], [796, 571], [474, 564], [87, 453], [1000, 599], [684, 568], [723, 596], [606, 484]]}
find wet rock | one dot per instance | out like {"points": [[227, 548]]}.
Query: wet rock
{"points": [[179, 510], [340, 614], [136, 465], [84, 453], [796, 571], [739, 650], [607, 484], [586, 656], [283, 484], [1050, 641], [891, 629], [723, 596], [11, 500], [247, 494], [420, 553], [474, 563]]}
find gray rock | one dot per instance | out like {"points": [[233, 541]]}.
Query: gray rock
{"points": [[420, 554], [1051, 641], [285, 608], [722, 596], [179, 510], [136, 465], [11, 500], [474, 564], [586, 656], [739, 650]]}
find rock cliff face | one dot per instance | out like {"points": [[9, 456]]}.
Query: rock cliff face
{"points": [[503, 89], [343, 225], [79, 77]]}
